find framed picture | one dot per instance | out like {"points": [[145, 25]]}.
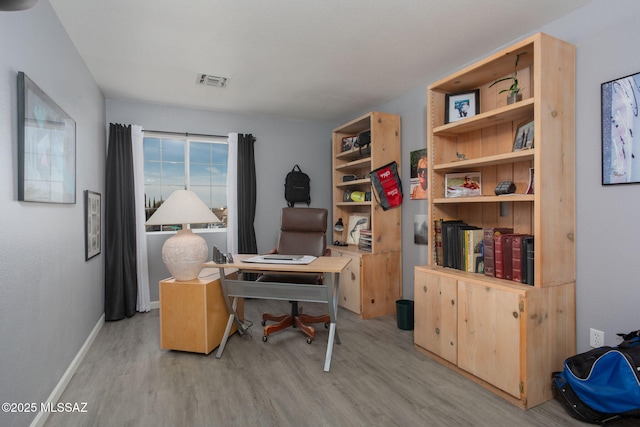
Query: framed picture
{"points": [[92, 224], [46, 147], [356, 223], [461, 105], [419, 174], [524, 136], [467, 184], [620, 131], [421, 229]]}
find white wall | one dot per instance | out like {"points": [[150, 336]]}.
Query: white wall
{"points": [[280, 144], [50, 298]]}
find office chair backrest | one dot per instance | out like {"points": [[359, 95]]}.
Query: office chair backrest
{"points": [[303, 231]]}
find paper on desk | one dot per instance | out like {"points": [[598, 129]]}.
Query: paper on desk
{"points": [[307, 259]]}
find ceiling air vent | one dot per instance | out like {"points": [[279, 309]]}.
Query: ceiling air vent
{"points": [[209, 80]]}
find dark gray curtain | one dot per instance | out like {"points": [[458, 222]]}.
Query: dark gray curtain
{"points": [[246, 195], [121, 283]]}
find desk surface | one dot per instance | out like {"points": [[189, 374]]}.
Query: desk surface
{"points": [[323, 264]]}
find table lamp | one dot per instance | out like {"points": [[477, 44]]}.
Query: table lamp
{"points": [[339, 227], [184, 253]]}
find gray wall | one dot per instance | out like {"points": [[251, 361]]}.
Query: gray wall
{"points": [[50, 298], [607, 291], [280, 144]]}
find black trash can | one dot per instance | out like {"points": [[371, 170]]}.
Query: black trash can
{"points": [[404, 311]]}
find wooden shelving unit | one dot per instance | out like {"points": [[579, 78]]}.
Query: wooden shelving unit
{"points": [[373, 282], [507, 336]]}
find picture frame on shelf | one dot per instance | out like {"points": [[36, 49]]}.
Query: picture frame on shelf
{"points": [[524, 136], [348, 142], [356, 223], [463, 184], [461, 105], [92, 224], [530, 188], [46, 147], [620, 130]]}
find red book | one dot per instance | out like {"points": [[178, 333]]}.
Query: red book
{"points": [[489, 250], [519, 263], [507, 256], [498, 259]]}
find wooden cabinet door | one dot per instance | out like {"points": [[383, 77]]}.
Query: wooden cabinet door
{"points": [[435, 316], [489, 325], [349, 290]]}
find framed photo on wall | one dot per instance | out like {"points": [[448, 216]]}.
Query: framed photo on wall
{"points": [[46, 147], [461, 105], [92, 224], [620, 131]]}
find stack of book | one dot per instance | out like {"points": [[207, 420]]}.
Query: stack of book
{"points": [[509, 255], [495, 252], [364, 243]]}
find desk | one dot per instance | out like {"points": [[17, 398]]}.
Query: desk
{"points": [[330, 267]]}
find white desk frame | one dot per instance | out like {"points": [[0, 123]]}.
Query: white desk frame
{"points": [[330, 267]]}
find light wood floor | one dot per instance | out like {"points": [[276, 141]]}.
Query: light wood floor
{"points": [[377, 378]]}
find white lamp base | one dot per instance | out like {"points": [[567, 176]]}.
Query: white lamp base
{"points": [[184, 254]]}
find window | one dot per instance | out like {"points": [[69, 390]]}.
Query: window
{"points": [[175, 163]]}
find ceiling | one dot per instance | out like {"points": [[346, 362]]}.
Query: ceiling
{"points": [[302, 59]]}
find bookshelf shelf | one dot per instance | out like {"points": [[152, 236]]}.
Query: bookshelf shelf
{"points": [[486, 328], [373, 281]]}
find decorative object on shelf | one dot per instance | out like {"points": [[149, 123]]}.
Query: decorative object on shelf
{"points": [[514, 89], [505, 187], [461, 156], [620, 130], [339, 227], [356, 196], [184, 253], [419, 169], [530, 189], [364, 142], [464, 184], [349, 142], [356, 223], [46, 147], [92, 226], [524, 136], [461, 105]]}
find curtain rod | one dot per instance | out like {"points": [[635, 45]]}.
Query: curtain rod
{"points": [[187, 134]]}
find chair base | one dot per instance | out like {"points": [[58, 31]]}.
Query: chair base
{"points": [[295, 320]]}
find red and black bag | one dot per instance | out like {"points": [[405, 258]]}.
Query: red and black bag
{"points": [[387, 185]]}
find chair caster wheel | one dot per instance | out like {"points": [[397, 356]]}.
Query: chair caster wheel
{"points": [[309, 340], [263, 323], [326, 325], [265, 338]]}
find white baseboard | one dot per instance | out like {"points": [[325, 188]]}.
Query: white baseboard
{"points": [[41, 418], [154, 305]]}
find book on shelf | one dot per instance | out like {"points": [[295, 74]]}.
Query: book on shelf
{"points": [[449, 238], [519, 258], [498, 259], [530, 257], [473, 248], [364, 240], [437, 242], [489, 250], [463, 259]]}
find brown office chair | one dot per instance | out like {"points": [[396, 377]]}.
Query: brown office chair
{"points": [[302, 232]]}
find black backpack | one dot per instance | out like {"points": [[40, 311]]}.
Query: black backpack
{"points": [[297, 187]]}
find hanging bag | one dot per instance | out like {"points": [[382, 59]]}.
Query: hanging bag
{"points": [[297, 187], [387, 186]]}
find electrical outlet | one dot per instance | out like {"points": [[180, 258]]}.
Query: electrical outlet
{"points": [[596, 338]]}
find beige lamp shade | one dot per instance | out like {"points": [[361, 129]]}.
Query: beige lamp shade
{"points": [[184, 253]]}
